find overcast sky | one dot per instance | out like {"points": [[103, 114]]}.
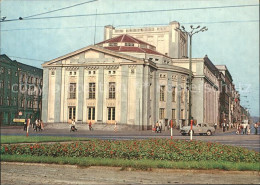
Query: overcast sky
{"points": [[232, 38]]}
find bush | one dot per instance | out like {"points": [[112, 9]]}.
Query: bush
{"points": [[158, 149]]}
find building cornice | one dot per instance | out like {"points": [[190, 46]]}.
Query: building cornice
{"points": [[96, 48]]}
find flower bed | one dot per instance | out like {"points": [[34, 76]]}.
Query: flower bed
{"points": [[159, 149]]}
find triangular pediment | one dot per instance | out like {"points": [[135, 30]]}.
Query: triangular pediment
{"points": [[92, 55]]}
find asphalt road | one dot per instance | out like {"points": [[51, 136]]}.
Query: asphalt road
{"points": [[229, 138]]}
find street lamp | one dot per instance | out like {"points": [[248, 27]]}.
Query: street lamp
{"points": [[193, 31]]}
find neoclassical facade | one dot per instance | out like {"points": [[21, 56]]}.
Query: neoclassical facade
{"points": [[205, 89], [123, 80]]}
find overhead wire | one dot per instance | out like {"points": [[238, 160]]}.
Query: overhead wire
{"points": [[132, 12], [60, 9], [129, 25]]}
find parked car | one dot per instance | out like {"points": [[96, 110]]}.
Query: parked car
{"points": [[201, 128]]}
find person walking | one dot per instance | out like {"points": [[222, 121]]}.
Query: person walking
{"points": [[90, 126], [256, 127], [115, 128], [28, 122], [157, 127], [238, 129], [38, 126], [215, 126], [224, 126], [227, 126], [25, 125], [41, 123], [244, 128], [73, 125], [248, 129], [35, 124], [160, 127]]}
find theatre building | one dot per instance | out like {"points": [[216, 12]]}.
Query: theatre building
{"points": [[122, 79]]}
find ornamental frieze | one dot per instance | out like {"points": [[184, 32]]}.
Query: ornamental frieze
{"points": [[71, 68], [92, 67], [132, 66], [112, 67]]}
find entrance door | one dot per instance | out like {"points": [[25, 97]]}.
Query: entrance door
{"points": [[111, 115], [72, 113], [91, 114]]}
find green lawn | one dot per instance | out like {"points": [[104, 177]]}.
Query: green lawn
{"points": [[38, 139], [136, 164]]}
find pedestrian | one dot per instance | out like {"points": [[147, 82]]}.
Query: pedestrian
{"points": [[73, 125], [90, 126], [160, 126], [248, 129], [238, 129], [244, 128], [215, 126], [115, 128], [34, 124], [41, 124], [224, 126], [227, 126], [157, 127], [25, 125], [241, 128], [28, 122], [256, 127]]}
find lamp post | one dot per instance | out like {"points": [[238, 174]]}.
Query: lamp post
{"points": [[190, 34]]}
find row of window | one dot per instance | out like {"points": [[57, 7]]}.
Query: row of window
{"points": [[162, 94], [9, 71], [112, 92], [2, 84], [111, 113], [162, 114], [9, 101], [31, 80], [126, 44], [92, 90], [31, 103]]}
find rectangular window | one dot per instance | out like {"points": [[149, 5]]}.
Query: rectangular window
{"points": [[162, 92], [173, 114], [182, 95], [8, 101], [92, 90], [91, 113], [173, 94], [129, 44], [111, 113], [112, 90], [72, 113], [22, 103], [182, 114], [161, 113], [72, 91]]}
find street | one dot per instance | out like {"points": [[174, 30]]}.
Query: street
{"points": [[229, 138]]}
